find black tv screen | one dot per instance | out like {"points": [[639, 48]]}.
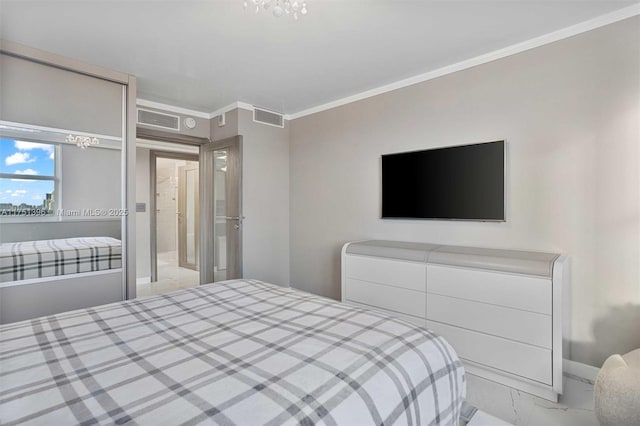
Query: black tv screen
{"points": [[460, 183]]}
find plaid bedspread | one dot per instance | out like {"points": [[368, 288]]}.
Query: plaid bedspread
{"points": [[48, 258], [236, 352]]}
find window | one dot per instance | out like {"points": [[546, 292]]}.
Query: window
{"points": [[28, 180]]}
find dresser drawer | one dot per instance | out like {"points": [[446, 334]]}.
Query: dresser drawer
{"points": [[414, 320], [517, 358], [509, 290], [397, 273], [408, 302], [523, 326]]}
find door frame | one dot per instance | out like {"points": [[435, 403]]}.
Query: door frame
{"points": [[153, 236], [207, 210]]}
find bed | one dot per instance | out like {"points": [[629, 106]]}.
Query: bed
{"points": [[236, 352], [48, 258], [49, 276]]}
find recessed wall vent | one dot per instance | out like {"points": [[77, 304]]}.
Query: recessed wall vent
{"points": [[268, 117], [157, 119]]}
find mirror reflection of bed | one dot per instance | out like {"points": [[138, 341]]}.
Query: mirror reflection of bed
{"points": [[60, 223]]}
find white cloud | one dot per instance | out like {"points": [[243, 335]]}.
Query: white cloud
{"points": [[18, 158], [28, 146], [26, 172], [37, 197], [18, 193]]}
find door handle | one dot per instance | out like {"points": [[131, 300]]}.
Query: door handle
{"points": [[232, 217]]}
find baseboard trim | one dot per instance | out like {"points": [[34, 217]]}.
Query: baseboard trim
{"points": [[580, 371], [143, 280]]}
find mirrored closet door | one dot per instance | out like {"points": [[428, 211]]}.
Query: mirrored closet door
{"points": [[61, 217], [63, 211]]}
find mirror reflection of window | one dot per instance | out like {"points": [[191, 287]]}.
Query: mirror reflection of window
{"points": [[60, 204], [28, 178]]}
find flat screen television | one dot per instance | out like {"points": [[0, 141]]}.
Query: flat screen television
{"points": [[456, 183]]}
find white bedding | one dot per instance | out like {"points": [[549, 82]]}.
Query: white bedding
{"points": [[237, 352], [48, 258]]}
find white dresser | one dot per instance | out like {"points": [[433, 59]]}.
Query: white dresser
{"points": [[501, 310]]}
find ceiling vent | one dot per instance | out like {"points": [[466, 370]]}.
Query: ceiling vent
{"points": [[157, 119], [268, 117]]}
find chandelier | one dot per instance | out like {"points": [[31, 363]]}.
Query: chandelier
{"points": [[279, 8], [82, 141]]}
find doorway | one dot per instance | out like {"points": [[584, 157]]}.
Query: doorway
{"points": [[204, 250], [175, 222]]}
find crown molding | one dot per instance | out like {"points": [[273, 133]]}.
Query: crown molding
{"points": [[514, 49], [171, 108], [561, 34], [231, 107], [244, 105], [186, 111]]}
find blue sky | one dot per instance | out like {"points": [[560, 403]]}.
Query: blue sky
{"points": [[27, 158]]}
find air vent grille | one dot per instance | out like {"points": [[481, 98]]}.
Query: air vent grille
{"points": [[156, 119], [268, 117]]}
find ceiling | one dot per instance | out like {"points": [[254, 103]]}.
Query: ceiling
{"points": [[205, 55]]}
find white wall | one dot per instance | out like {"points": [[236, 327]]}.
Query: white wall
{"points": [[143, 226], [265, 199], [91, 178], [570, 113]]}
